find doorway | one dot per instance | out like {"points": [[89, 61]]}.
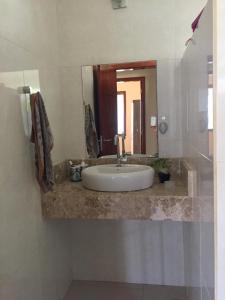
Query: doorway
{"points": [[133, 89]]}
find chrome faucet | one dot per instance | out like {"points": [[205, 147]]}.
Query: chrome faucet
{"points": [[120, 157], [117, 143]]}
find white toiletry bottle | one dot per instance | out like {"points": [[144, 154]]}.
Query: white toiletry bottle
{"points": [[83, 166]]}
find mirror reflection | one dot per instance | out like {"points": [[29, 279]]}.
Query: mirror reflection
{"points": [[121, 100]]}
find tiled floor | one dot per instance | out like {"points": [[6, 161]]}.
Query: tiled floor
{"points": [[91, 290]]}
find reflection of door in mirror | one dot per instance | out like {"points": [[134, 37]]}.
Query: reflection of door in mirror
{"points": [[117, 87], [106, 108]]}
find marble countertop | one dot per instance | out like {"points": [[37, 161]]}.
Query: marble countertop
{"points": [[71, 200]]}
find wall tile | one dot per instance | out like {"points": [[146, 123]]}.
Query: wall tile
{"points": [[34, 254], [128, 251]]}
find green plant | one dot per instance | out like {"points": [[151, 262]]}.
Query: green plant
{"points": [[161, 165]]}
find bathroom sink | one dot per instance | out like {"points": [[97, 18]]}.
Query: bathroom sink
{"points": [[114, 178]]}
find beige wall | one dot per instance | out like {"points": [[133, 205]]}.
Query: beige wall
{"points": [[34, 253], [133, 92], [93, 34]]}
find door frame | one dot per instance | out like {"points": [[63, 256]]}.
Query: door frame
{"points": [[143, 130], [133, 102], [131, 65]]}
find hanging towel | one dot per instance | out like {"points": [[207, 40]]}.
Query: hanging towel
{"points": [[91, 133], [42, 139]]}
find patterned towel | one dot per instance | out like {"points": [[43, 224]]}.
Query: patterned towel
{"points": [[91, 134], [42, 138]]}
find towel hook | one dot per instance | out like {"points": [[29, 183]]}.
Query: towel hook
{"points": [[24, 90]]}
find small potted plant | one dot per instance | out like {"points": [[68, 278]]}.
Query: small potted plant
{"points": [[162, 166]]}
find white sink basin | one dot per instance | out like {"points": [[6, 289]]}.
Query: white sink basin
{"points": [[113, 178]]}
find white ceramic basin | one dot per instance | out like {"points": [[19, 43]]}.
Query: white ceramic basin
{"points": [[112, 178]]}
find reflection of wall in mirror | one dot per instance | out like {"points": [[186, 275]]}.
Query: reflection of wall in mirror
{"points": [[150, 104], [88, 87]]}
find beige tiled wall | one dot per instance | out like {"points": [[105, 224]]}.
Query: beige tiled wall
{"points": [[34, 253], [148, 252]]}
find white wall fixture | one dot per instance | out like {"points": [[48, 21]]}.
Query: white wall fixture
{"points": [[163, 125], [119, 4]]}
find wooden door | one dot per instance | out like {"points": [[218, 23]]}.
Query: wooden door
{"points": [[106, 109], [136, 126]]}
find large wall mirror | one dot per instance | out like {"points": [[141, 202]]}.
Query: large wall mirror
{"points": [[123, 101]]}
